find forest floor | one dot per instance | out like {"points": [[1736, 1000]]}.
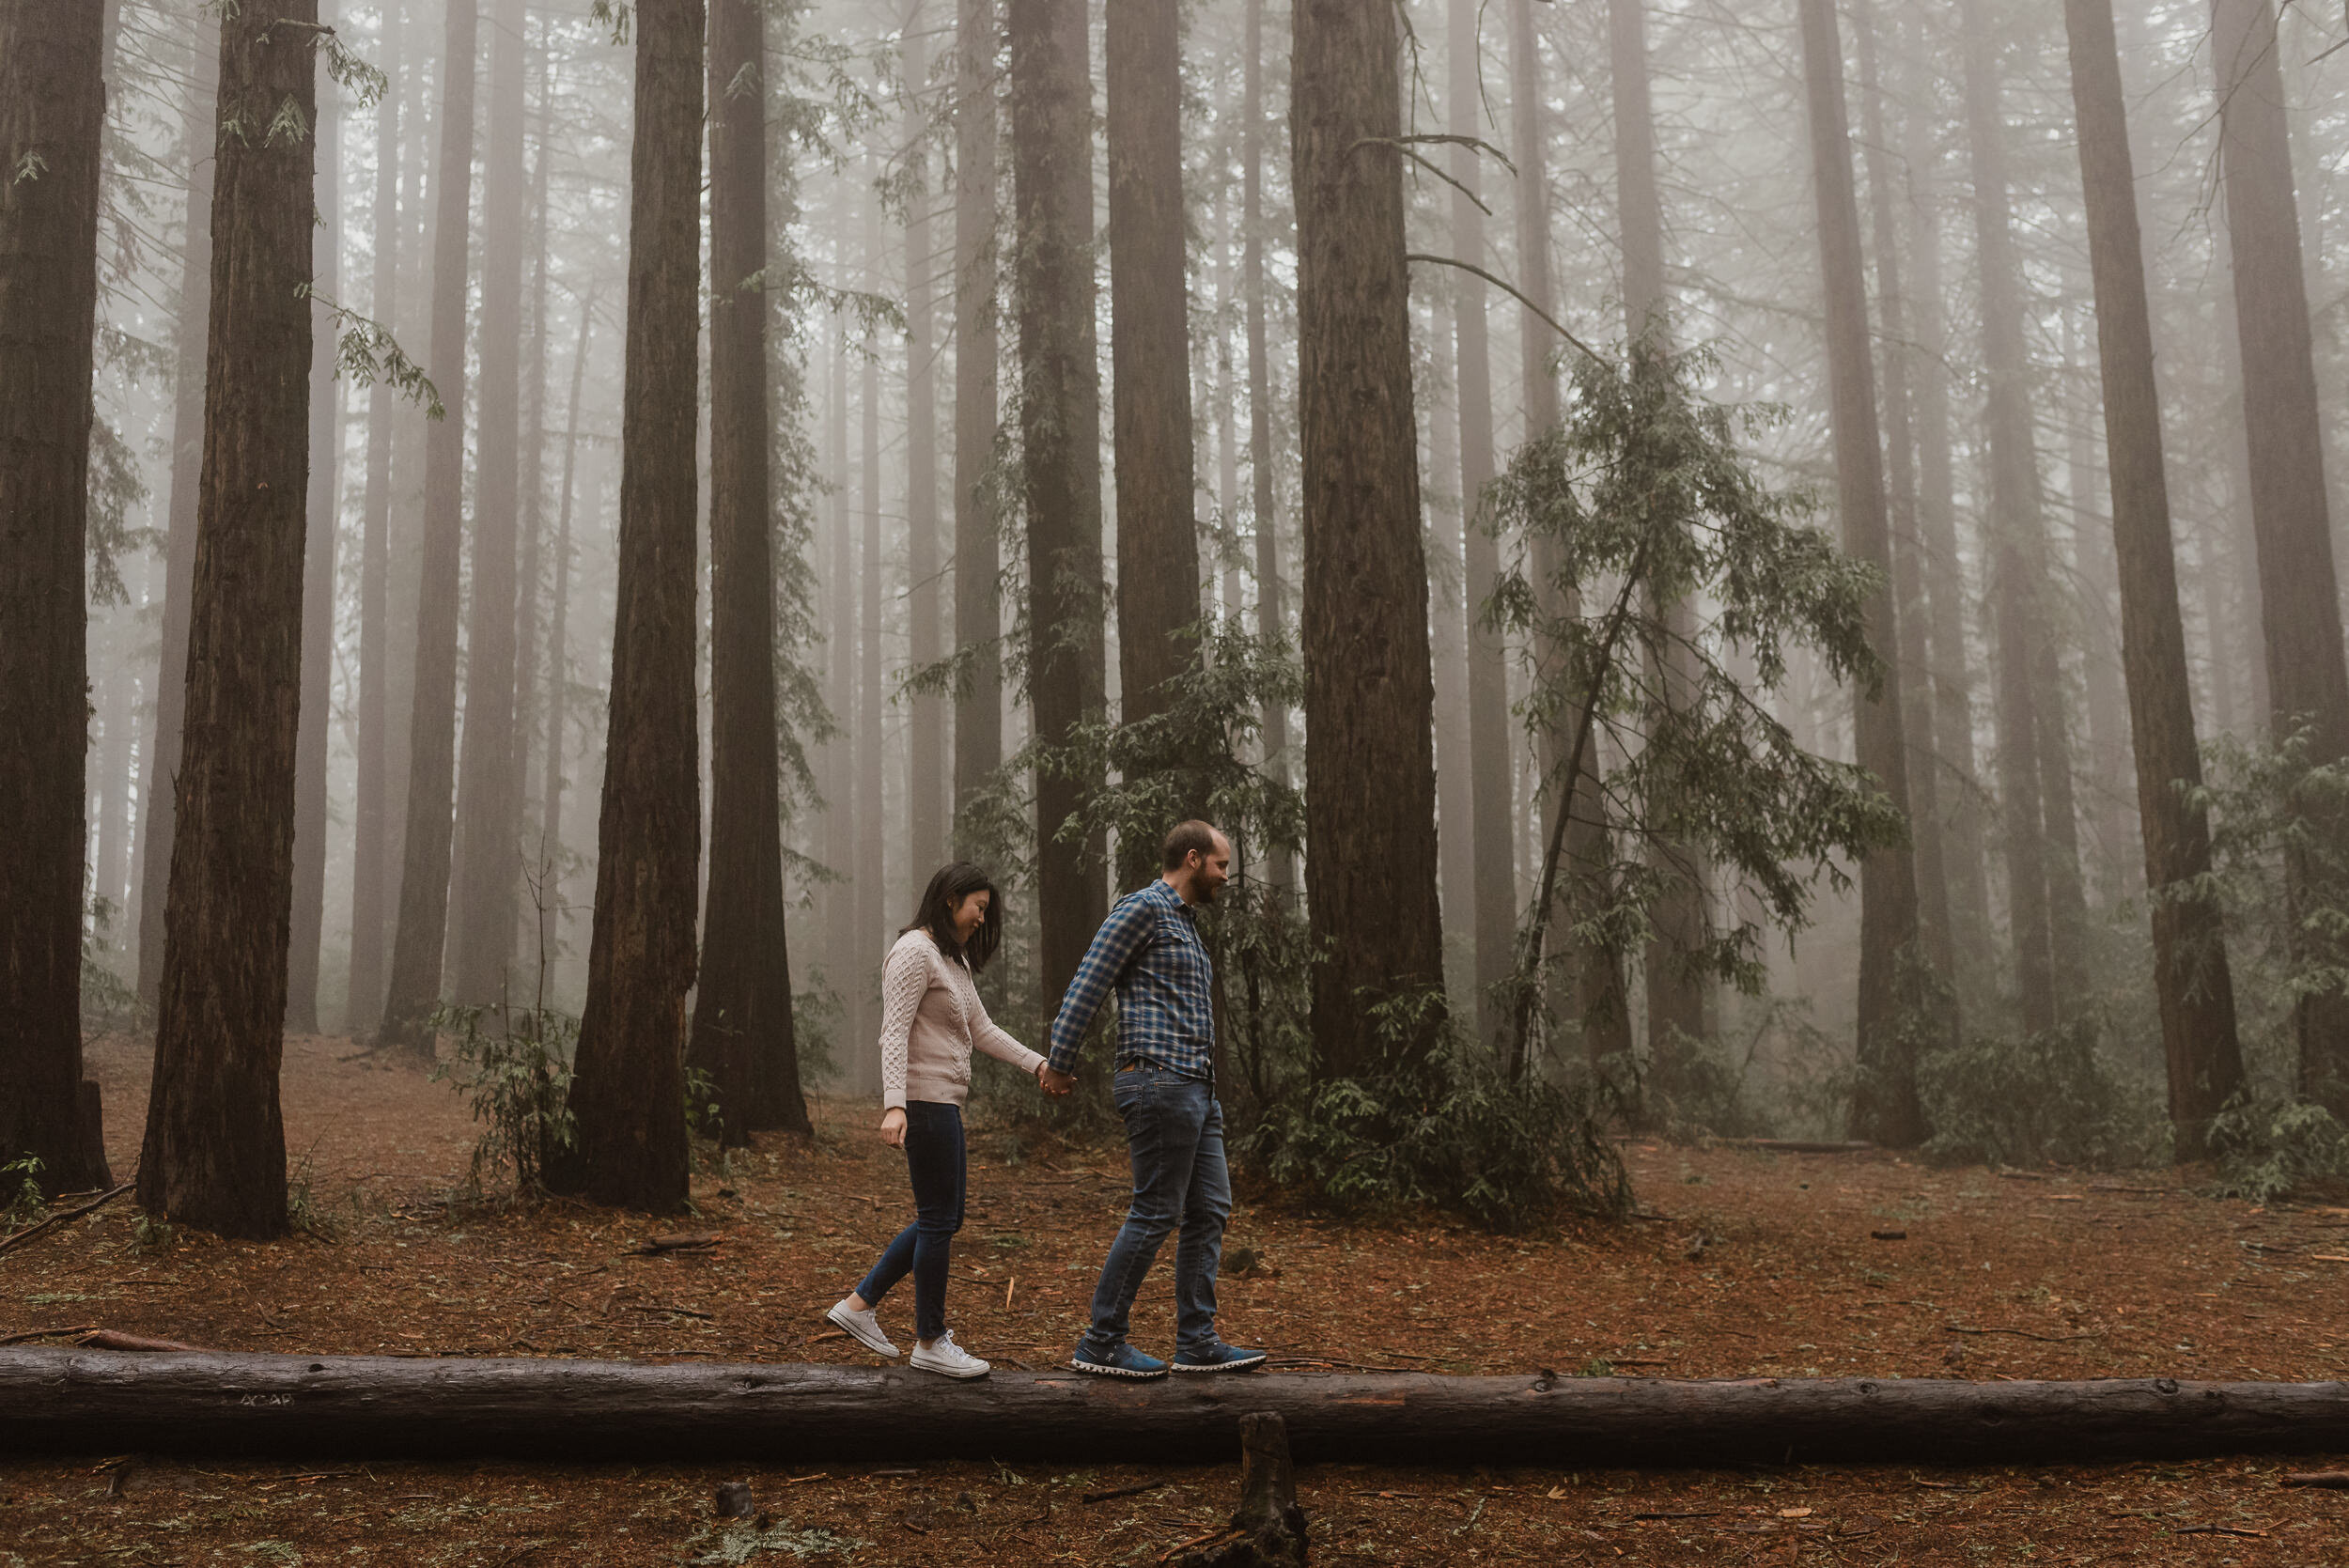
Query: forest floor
{"points": [[1743, 1263]]}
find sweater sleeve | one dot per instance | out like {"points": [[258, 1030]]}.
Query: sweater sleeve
{"points": [[904, 979], [996, 1041]]}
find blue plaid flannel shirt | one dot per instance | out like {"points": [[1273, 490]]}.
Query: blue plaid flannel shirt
{"points": [[1149, 952]]}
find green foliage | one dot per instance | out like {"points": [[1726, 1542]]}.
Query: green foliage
{"points": [[366, 351], [1658, 589], [514, 1063], [2273, 1149], [2026, 1100], [20, 1184], [1449, 1129]]}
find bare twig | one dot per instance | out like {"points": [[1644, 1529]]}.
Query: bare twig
{"points": [[55, 1219]]}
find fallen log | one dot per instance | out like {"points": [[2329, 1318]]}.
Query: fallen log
{"points": [[54, 1400]]}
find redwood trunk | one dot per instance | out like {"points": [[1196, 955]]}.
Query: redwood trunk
{"points": [[926, 630], [487, 858], [52, 105], [2299, 594], [1370, 789], [628, 1096], [98, 1402], [1158, 532], [415, 980], [978, 618], [370, 849], [742, 1034], [1885, 1106], [1491, 805], [214, 1155], [1280, 867], [317, 581], [157, 795], [1060, 410], [2191, 981]]}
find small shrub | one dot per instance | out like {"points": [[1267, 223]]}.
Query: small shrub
{"points": [[518, 1075], [20, 1184], [2276, 1149], [2022, 1100]]}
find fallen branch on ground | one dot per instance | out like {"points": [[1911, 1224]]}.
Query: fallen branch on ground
{"points": [[29, 1232]]}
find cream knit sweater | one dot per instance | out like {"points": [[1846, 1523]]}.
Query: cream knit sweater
{"points": [[931, 1017]]}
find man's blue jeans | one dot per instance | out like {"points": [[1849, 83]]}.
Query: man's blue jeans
{"points": [[935, 1161], [1175, 1133]]}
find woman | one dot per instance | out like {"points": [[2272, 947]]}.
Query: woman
{"points": [[931, 1017]]}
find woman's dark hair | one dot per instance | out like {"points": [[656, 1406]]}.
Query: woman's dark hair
{"points": [[954, 882]]}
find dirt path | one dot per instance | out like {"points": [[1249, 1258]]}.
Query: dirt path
{"points": [[1751, 1264]]}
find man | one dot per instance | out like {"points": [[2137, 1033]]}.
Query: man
{"points": [[1149, 952]]}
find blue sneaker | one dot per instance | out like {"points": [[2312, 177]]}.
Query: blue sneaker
{"points": [[1218, 1357], [1124, 1361]]}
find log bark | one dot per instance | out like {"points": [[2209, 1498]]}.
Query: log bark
{"points": [[52, 101], [58, 1400]]}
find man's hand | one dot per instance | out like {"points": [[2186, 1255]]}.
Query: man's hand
{"points": [[1054, 1083], [892, 1127]]}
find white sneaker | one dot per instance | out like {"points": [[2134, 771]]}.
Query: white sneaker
{"points": [[943, 1355], [863, 1327]]}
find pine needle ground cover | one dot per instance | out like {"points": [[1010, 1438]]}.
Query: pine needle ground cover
{"points": [[1745, 1261]]}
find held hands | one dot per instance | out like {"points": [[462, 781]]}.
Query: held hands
{"points": [[1053, 1083], [893, 1127]]}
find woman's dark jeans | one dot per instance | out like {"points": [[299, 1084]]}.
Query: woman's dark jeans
{"points": [[934, 1158]]}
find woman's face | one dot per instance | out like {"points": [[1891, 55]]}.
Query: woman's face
{"points": [[970, 912]]}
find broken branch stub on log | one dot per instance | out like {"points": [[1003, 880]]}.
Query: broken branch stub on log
{"points": [[59, 1400]]}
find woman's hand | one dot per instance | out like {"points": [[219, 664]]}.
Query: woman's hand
{"points": [[892, 1127]]}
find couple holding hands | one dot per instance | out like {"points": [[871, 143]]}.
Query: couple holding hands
{"points": [[1149, 952]]}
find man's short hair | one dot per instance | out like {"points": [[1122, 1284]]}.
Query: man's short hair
{"points": [[1185, 838]]}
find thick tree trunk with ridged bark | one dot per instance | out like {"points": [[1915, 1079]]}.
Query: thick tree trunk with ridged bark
{"points": [[53, 105], [414, 989], [1370, 786], [2191, 980], [2299, 594], [1885, 1106], [627, 1095], [1060, 411], [742, 1035], [1158, 531], [214, 1155]]}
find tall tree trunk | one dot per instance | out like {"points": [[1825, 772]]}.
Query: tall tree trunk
{"points": [[978, 620], [1951, 721], [2191, 981], [742, 1035], [2016, 553], [1601, 1004], [1909, 589], [628, 1096], [872, 699], [416, 980], [1370, 788], [318, 581], [529, 634], [1448, 627], [558, 627], [53, 109], [2095, 579], [159, 795], [842, 802], [371, 852], [1675, 986], [1158, 531], [2308, 680], [214, 1155], [1885, 1106], [926, 627], [1059, 409], [1280, 868], [486, 864], [1491, 807]]}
